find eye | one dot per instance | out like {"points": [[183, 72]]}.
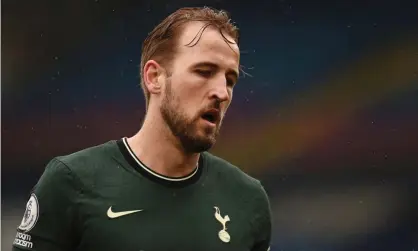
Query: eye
{"points": [[204, 73], [230, 82]]}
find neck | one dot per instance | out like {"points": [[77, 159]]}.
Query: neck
{"points": [[160, 150]]}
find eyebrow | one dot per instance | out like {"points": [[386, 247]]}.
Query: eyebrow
{"points": [[213, 65]]}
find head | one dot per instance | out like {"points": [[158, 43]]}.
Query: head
{"points": [[189, 67]]}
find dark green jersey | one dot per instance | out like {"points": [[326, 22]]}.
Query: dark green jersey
{"points": [[103, 198]]}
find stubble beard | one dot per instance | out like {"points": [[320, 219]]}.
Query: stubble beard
{"points": [[185, 129]]}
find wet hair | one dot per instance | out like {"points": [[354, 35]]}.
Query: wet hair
{"points": [[161, 43]]}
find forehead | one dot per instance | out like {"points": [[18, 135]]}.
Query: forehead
{"points": [[196, 45]]}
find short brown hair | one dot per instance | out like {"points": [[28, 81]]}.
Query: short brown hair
{"points": [[160, 43]]}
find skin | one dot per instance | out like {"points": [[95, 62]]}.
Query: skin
{"points": [[199, 78]]}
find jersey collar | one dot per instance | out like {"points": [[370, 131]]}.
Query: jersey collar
{"points": [[139, 166]]}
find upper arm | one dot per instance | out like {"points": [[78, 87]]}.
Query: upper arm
{"points": [[49, 220], [262, 222]]}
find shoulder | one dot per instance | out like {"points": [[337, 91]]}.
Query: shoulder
{"points": [[83, 165], [89, 158], [88, 155], [229, 173]]}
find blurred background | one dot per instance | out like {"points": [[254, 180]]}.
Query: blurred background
{"points": [[328, 119]]}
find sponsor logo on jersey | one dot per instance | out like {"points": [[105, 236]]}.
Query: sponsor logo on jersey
{"points": [[23, 240], [113, 215], [31, 215], [223, 234]]}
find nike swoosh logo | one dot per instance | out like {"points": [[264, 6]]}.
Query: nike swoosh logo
{"points": [[113, 215]]}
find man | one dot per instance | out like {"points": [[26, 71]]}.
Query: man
{"points": [[160, 189]]}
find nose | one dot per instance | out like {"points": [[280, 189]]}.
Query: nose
{"points": [[220, 90]]}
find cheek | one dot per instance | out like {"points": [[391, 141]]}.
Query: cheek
{"points": [[186, 102], [188, 93], [228, 103], [184, 85]]}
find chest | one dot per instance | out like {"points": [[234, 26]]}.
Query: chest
{"points": [[149, 219]]}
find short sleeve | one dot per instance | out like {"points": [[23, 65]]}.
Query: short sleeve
{"points": [[49, 220], [262, 222]]}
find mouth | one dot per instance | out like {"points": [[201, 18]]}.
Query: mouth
{"points": [[212, 116]]}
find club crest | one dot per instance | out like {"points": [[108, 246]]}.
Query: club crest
{"points": [[223, 234]]}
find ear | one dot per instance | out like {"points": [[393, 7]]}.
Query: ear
{"points": [[153, 74]]}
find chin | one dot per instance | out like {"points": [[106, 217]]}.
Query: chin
{"points": [[199, 143], [206, 146], [200, 138]]}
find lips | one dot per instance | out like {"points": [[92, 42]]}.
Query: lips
{"points": [[212, 115]]}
